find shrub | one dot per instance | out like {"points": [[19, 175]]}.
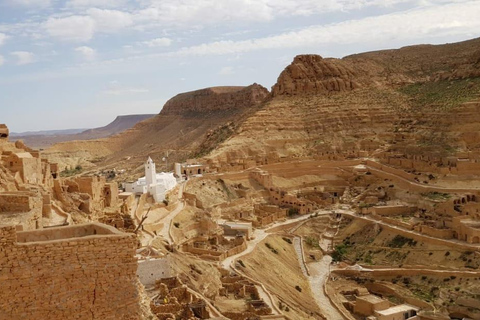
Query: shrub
{"points": [[292, 212], [297, 287]]}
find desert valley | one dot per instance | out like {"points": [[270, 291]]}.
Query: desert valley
{"points": [[349, 190]]}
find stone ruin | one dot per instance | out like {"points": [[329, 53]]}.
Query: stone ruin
{"points": [[4, 131], [175, 301], [75, 272]]}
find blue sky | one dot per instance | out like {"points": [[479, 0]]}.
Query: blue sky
{"points": [[80, 63]]}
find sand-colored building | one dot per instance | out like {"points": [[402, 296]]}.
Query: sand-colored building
{"points": [[84, 271]]}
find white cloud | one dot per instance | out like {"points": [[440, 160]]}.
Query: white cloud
{"points": [[2, 60], [30, 3], [225, 71], [158, 42], [73, 28], [95, 3], [122, 91], [3, 38], [116, 89], [205, 12], [86, 52], [110, 20], [23, 57], [446, 20]]}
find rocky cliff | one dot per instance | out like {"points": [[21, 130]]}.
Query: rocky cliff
{"points": [[414, 101], [183, 124], [314, 74], [205, 101]]}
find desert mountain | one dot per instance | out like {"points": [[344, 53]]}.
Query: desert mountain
{"points": [[179, 128], [418, 99], [414, 100], [43, 139]]}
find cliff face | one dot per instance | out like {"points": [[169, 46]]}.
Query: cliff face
{"points": [[182, 126], [419, 100], [313, 74], [203, 102]]}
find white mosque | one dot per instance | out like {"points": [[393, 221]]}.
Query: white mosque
{"points": [[157, 184]]}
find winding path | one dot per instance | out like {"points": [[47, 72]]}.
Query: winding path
{"points": [[320, 272]]}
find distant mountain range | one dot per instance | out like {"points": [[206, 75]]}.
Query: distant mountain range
{"points": [[46, 132], [43, 139]]}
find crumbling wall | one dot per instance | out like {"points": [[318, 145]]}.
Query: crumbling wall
{"points": [[86, 277]]}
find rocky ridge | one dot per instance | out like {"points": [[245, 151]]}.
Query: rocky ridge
{"points": [[203, 102], [314, 74]]}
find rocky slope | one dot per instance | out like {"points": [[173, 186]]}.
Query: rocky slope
{"points": [[178, 129], [414, 100]]}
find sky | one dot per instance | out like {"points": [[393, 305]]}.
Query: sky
{"points": [[68, 64]]}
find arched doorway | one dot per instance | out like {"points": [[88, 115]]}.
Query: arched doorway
{"points": [[476, 239]]}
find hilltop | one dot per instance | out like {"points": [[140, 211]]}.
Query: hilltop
{"points": [[395, 101], [179, 128]]}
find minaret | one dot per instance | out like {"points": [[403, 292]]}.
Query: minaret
{"points": [[150, 172]]}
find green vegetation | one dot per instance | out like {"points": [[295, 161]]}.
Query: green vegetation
{"points": [[340, 252], [368, 258], [176, 224], [436, 195], [444, 94], [292, 212], [365, 205], [71, 172], [399, 241], [269, 246], [312, 242], [288, 240]]}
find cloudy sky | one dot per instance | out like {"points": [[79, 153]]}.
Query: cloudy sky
{"points": [[79, 63]]}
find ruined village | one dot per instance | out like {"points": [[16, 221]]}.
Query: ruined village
{"points": [[332, 196]]}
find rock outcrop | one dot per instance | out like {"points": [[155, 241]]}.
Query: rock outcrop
{"points": [[314, 74], [204, 101]]}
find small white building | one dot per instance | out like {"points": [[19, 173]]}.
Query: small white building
{"points": [[157, 184]]}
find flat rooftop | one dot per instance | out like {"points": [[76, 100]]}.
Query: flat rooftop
{"points": [[15, 218], [397, 309], [68, 232], [240, 225], [371, 298]]}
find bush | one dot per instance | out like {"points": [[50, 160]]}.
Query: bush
{"points": [[340, 252], [269, 246], [288, 240], [312, 242], [292, 212], [176, 224], [399, 241], [298, 288]]}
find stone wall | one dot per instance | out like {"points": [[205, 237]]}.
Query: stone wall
{"points": [[79, 272], [21, 208]]}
